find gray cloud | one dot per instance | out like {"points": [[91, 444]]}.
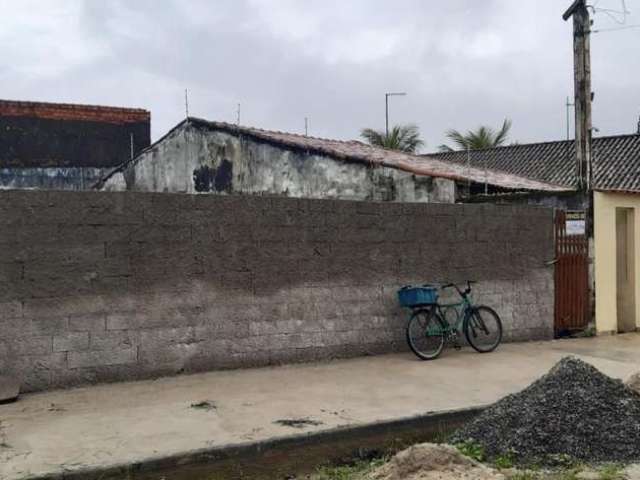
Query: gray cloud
{"points": [[462, 62]]}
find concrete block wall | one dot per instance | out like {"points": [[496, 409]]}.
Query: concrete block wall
{"points": [[98, 286]]}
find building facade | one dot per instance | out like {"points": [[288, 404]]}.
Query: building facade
{"points": [[66, 147], [611, 206], [617, 260], [198, 156]]}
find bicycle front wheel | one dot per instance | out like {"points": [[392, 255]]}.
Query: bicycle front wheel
{"points": [[483, 329], [425, 334]]}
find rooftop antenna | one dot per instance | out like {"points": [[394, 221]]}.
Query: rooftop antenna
{"points": [[306, 126], [638, 125], [238, 119], [569, 105], [186, 102], [469, 169], [386, 107], [486, 176]]}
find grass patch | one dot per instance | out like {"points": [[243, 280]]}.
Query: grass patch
{"points": [[524, 475], [472, 450], [566, 473], [506, 460], [611, 471]]}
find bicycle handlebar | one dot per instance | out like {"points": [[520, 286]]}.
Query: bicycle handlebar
{"points": [[462, 293]]}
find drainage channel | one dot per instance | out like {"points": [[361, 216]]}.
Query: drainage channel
{"points": [[288, 457]]}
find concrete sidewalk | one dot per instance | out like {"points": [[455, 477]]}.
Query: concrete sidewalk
{"points": [[125, 423]]}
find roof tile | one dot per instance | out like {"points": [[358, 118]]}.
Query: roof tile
{"points": [[616, 161]]}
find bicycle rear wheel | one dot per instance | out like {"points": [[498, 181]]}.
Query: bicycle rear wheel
{"points": [[425, 334], [483, 329]]}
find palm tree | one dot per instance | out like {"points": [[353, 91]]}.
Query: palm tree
{"points": [[405, 138], [483, 137]]}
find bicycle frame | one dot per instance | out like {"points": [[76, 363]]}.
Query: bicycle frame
{"points": [[461, 310]]}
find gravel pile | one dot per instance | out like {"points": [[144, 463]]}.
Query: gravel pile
{"points": [[573, 411]]}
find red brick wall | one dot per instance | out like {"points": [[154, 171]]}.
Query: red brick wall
{"points": [[64, 111]]}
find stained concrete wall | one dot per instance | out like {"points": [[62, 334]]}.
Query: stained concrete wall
{"points": [[101, 286], [194, 159], [51, 178], [561, 201]]}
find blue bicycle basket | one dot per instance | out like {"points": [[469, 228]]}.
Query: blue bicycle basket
{"points": [[410, 296]]}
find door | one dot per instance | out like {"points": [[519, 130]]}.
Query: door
{"points": [[625, 274], [571, 278]]}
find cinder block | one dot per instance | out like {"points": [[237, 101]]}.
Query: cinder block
{"points": [[88, 323], [113, 340], [102, 357], [157, 338], [10, 309], [221, 330], [32, 345], [59, 307], [177, 356], [72, 341], [35, 371]]}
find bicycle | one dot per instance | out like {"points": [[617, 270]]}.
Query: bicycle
{"points": [[428, 328]]}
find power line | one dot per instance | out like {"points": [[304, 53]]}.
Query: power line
{"points": [[615, 29], [611, 12]]}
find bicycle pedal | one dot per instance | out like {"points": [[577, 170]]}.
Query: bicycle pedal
{"points": [[457, 347]]}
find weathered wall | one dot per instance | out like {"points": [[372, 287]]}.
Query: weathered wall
{"points": [[193, 159], [61, 146], [561, 201], [101, 286], [52, 178]]}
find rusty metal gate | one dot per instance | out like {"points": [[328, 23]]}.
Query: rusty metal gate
{"points": [[571, 278]]}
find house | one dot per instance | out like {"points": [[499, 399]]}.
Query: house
{"points": [[200, 156], [616, 165], [616, 211], [66, 147], [617, 258]]}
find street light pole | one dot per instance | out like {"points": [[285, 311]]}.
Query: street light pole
{"points": [[386, 107]]}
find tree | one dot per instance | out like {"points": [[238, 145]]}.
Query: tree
{"points": [[405, 138], [482, 137]]}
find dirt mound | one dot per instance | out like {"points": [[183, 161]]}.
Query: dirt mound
{"points": [[574, 410], [428, 461]]}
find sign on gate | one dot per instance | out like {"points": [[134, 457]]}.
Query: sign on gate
{"points": [[575, 222]]}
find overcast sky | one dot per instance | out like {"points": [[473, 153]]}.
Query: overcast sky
{"points": [[462, 62]]}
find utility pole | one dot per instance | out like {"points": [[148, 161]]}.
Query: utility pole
{"points": [[638, 125], [582, 89], [386, 108], [306, 127]]}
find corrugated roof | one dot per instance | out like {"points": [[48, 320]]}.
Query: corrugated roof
{"points": [[616, 161], [360, 152]]}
